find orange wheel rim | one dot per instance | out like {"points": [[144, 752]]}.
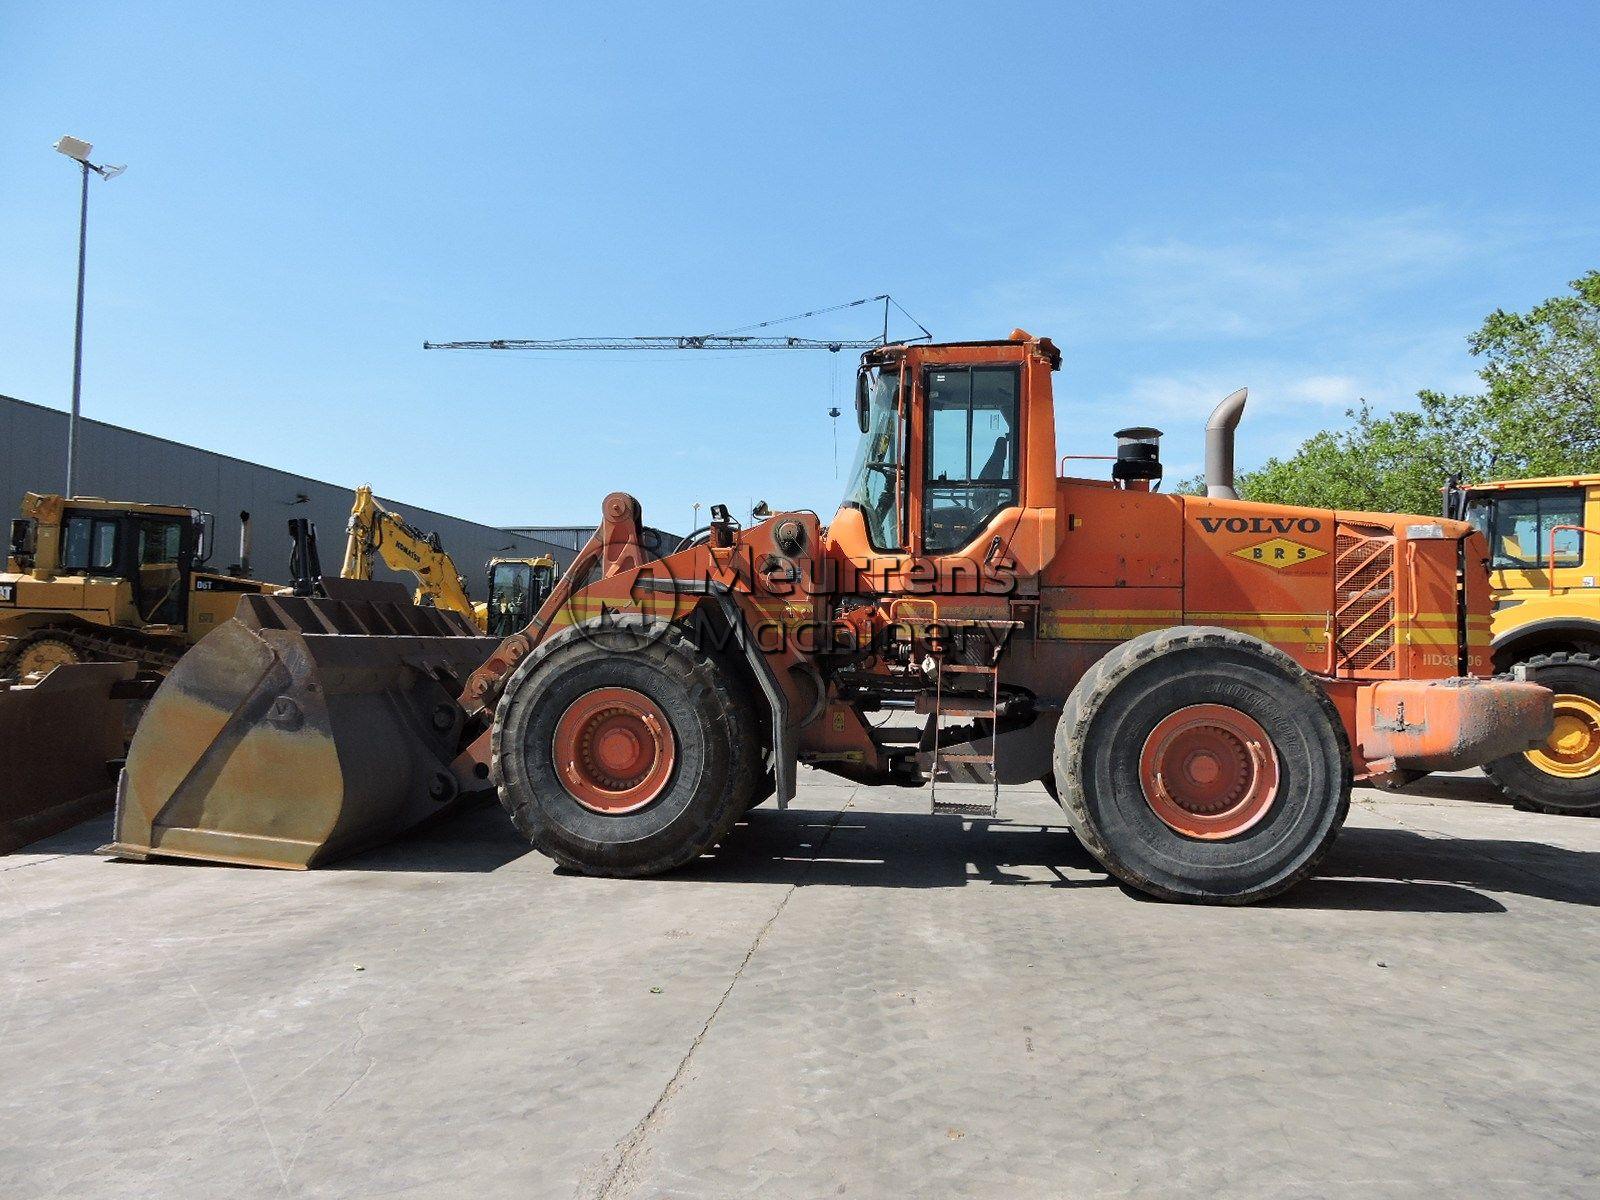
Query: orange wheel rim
{"points": [[1209, 771], [614, 750]]}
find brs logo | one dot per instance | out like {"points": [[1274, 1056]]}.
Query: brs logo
{"points": [[1279, 553], [8, 593]]}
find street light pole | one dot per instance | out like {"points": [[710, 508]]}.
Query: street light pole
{"points": [[77, 341], [79, 151]]}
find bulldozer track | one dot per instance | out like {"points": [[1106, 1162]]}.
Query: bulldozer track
{"points": [[94, 647]]}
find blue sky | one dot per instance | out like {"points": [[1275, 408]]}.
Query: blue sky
{"points": [[1319, 202]]}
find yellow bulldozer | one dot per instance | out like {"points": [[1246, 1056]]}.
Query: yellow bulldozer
{"points": [[517, 586], [98, 598], [1543, 540], [90, 580]]}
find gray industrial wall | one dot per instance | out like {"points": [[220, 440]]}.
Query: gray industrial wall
{"points": [[576, 537], [123, 464]]}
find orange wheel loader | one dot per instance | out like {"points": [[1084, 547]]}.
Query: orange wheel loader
{"points": [[1198, 680]]}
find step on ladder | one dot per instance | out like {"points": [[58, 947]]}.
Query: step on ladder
{"points": [[971, 801]]}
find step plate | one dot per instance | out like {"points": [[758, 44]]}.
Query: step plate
{"points": [[956, 808]]}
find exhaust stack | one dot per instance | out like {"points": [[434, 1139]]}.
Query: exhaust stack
{"points": [[244, 544], [1219, 445]]}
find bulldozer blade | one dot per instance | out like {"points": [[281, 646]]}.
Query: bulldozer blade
{"points": [[60, 738], [299, 731]]}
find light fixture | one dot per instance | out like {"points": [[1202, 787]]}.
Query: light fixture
{"points": [[75, 148]]}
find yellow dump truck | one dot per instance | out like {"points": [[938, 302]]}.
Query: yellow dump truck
{"points": [[90, 580], [1544, 563]]}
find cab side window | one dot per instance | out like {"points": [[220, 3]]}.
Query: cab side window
{"points": [[103, 546], [971, 452], [75, 544], [88, 544], [1525, 529]]}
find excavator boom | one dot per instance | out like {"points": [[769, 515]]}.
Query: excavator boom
{"points": [[375, 530]]}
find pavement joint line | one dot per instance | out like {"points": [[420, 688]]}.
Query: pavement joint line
{"points": [[36, 862], [355, 1047], [222, 1034], [628, 1148]]}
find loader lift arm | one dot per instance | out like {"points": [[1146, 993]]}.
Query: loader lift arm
{"points": [[374, 530]]}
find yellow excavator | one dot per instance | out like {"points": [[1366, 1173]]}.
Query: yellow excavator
{"points": [[517, 586]]}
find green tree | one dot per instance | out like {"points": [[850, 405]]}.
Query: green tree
{"points": [[1538, 414]]}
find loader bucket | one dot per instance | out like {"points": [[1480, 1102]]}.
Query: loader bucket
{"points": [[60, 736], [299, 731]]}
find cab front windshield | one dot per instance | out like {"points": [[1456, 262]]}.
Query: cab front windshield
{"points": [[871, 488]]}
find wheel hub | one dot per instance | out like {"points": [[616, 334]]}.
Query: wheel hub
{"points": [[614, 750], [1209, 771], [1572, 751]]}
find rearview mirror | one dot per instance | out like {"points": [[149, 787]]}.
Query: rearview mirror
{"points": [[204, 526], [863, 398]]}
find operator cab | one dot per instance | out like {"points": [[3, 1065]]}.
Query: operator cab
{"points": [[956, 458], [1526, 526], [154, 550], [516, 590]]}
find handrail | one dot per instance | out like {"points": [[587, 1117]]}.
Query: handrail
{"points": [[1096, 457], [1555, 529]]}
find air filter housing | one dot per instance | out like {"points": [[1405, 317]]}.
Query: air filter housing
{"points": [[1138, 454]]}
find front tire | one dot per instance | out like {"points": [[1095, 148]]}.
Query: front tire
{"points": [[1203, 765], [1562, 775], [623, 750]]}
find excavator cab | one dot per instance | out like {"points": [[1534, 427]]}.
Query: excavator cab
{"points": [[517, 587]]}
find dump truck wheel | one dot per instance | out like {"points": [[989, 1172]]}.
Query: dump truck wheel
{"points": [[617, 754], [1203, 765], [1563, 774]]}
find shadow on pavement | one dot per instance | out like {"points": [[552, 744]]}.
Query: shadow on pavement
{"points": [[1368, 869], [1475, 788], [1396, 869], [896, 850]]}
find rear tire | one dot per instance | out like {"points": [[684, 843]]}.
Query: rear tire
{"points": [[643, 810], [1203, 765], [1563, 775]]}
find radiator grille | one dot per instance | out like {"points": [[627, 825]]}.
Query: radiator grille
{"points": [[1364, 614]]}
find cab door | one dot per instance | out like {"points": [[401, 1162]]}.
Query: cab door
{"points": [[983, 486], [969, 452], [159, 570]]}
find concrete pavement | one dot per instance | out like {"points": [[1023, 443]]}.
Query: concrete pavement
{"points": [[852, 998]]}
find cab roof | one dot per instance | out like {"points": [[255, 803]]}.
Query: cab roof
{"points": [[1543, 481]]}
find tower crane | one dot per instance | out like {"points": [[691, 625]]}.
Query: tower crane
{"points": [[743, 338]]}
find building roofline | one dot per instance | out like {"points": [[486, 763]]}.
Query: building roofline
{"points": [[233, 458]]}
